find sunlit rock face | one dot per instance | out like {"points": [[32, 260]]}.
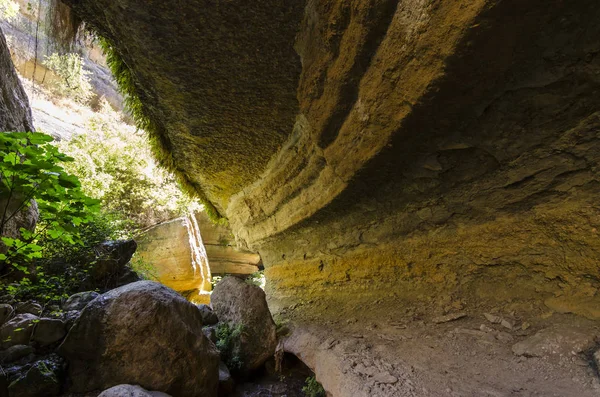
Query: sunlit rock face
{"points": [[185, 252], [15, 115], [438, 150]]}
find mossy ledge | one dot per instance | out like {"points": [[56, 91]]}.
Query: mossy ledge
{"points": [[158, 141]]}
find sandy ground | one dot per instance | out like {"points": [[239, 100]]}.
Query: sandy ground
{"points": [[380, 348]]}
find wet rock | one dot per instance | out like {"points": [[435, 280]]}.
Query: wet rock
{"points": [[79, 300], [142, 333], [561, 340], [237, 302], [208, 316], [15, 353], [131, 391], [42, 379], [48, 331], [28, 307], [6, 311], [226, 382], [18, 330]]}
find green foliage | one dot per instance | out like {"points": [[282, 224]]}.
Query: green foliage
{"points": [[215, 280], [115, 165], [145, 270], [30, 170], [64, 268], [158, 141], [257, 279], [8, 9], [312, 388], [73, 80], [228, 343]]}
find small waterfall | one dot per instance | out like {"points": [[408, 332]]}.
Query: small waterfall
{"points": [[198, 253]]}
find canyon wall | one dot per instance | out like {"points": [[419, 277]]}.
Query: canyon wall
{"points": [[444, 153]]}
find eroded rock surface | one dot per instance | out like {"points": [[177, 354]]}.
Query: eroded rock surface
{"points": [[142, 333], [434, 156]]}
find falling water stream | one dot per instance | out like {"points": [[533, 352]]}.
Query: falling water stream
{"points": [[198, 253]]}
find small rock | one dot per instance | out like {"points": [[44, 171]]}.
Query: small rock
{"points": [[6, 311], [597, 358], [15, 353], [18, 330], [226, 382], [28, 307], [525, 326], [210, 333], [48, 331], [504, 336], [492, 318], [385, 377], [131, 391], [79, 300], [449, 317], [559, 340], [208, 316], [42, 379]]}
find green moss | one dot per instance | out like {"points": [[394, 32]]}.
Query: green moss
{"points": [[158, 142]]}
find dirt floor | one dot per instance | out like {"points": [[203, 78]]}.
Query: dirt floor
{"points": [[380, 348]]}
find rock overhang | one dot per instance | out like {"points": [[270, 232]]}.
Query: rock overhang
{"points": [[328, 127]]}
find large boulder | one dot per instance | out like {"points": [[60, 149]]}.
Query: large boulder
{"points": [[238, 303], [130, 391], [142, 333]]}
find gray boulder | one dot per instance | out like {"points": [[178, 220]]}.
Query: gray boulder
{"points": [[208, 316], [15, 353], [236, 302], [18, 330], [131, 391], [6, 311], [28, 307], [48, 331], [79, 300], [142, 333]]}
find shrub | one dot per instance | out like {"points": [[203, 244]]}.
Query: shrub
{"points": [[228, 343], [73, 80], [312, 388]]}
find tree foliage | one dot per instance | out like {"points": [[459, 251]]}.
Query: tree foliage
{"points": [[30, 170], [115, 165], [73, 80], [8, 9]]}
